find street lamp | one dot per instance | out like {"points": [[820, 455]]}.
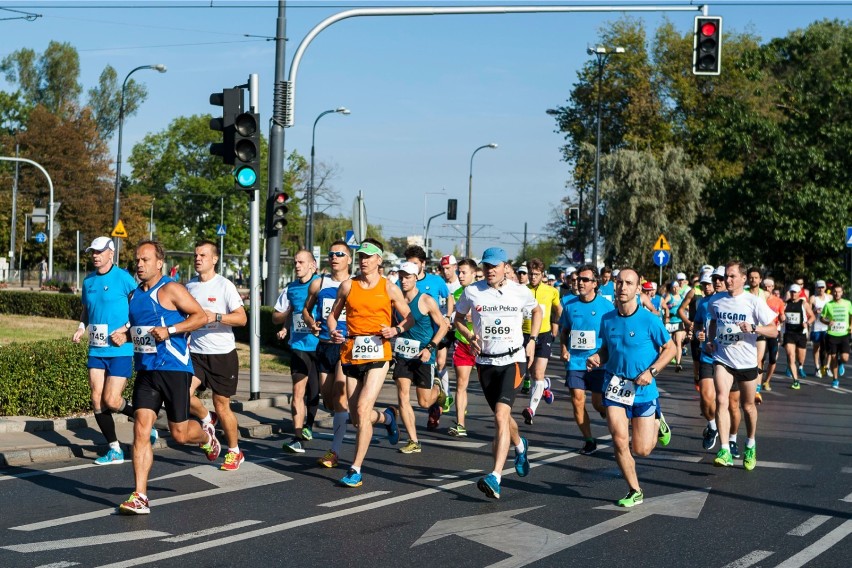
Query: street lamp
{"points": [[470, 195], [309, 214], [158, 67], [602, 54]]}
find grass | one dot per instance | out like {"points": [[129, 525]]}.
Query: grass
{"points": [[18, 329]]}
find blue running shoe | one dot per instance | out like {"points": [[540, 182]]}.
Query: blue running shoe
{"points": [[489, 485], [390, 424], [154, 436], [802, 374], [835, 384], [735, 449], [522, 464], [351, 479], [112, 457], [841, 369], [788, 372]]}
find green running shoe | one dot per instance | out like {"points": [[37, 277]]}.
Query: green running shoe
{"points": [[448, 403], [632, 498], [723, 458], [525, 388], [665, 435], [411, 447], [750, 457], [795, 385]]}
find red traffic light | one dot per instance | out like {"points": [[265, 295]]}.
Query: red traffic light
{"points": [[280, 198], [708, 29]]}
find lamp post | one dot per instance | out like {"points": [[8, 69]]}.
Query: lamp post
{"points": [[470, 195], [116, 207], [309, 214], [602, 54]]}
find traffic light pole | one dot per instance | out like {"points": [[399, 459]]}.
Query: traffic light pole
{"points": [[254, 266], [50, 222]]}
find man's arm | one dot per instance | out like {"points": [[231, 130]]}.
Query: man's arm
{"points": [[177, 297], [310, 302]]}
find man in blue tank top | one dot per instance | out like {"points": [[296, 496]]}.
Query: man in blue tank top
{"points": [[160, 331]]}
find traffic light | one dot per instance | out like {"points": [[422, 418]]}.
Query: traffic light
{"points": [[707, 46], [573, 218], [231, 101], [247, 150], [452, 209], [276, 214]]}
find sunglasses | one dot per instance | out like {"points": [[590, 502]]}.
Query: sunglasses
{"points": [[336, 253], [584, 279]]}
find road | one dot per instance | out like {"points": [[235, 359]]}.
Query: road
{"points": [[424, 509]]}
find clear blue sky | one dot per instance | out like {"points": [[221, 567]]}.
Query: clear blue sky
{"points": [[424, 91]]}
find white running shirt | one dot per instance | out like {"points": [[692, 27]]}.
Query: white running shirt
{"points": [[735, 348], [219, 295]]}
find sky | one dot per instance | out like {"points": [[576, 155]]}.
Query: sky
{"points": [[424, 91]]}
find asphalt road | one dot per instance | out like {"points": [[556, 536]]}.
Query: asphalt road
{"points": [[416, 510]]}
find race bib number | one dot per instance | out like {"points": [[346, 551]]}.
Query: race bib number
{"points": [[143, 341], [367, 347], [406, 348], [838, 326], [794, 318], [98, 335], [672, 327], [620, 390], [299, 325], [495, 329], [327, 304], [582, 340], [728, 334]]}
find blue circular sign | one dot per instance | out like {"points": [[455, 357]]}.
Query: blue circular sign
{"points": [[40, 237]]}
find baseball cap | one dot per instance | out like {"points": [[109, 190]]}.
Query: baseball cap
{"points": [[680, 276], [523, 268], [795, 288], [448, 259], [820, 284], [706, 278], [706, 268], [720, 271], [369, 249], [394, 268], [101, 244], [647, 286], [494, 256], [551, 277], [571, 270], [409, 268]]}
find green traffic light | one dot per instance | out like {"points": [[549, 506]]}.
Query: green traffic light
{"points": [[245, 176]]}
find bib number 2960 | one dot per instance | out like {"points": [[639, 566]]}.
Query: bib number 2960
{"points": [[367, 347]]}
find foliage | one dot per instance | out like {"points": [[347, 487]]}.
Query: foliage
{"points": [[61, 306], [548, 250], [105, 101], [49, 79]]}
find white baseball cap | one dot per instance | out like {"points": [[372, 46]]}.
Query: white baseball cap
{"points": [[101, 244], [795, 288], [720, 271], [706, 278], [409, 268], [820, 284], [680, 276]]}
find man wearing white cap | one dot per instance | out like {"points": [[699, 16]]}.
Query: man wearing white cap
{"points": [[797, 318], [818, 301], [449, 272], [106, 293], [523, 274]]}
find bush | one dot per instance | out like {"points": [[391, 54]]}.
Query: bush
{"points": [[267, 328], [62, 306], [45, 378]]}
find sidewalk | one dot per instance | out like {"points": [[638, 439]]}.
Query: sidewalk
{"points": [[26, 440]]}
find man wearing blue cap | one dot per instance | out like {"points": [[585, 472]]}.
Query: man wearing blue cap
{"points": [[498, 307]]}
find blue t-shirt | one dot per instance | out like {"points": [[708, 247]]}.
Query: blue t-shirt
{"points": [[633, 343], [582, 322], [433, 285], [301, 338], [105, 297], [607, 291], [702, 321]]}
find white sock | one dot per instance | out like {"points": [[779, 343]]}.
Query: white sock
{"points": [[115, 446], [207, 419], [497, 475], [712, 424], [519, 449], [356, 469], [339, 427], [236, 449], [535, 394], [445, 380], [732, 438], [750, 442]]}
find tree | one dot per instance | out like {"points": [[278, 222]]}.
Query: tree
{"points": [[105, 101], [50, 79]]}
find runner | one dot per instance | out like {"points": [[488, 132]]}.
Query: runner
{"points": [[797, 317], [547, 298], [303, 345], [463, 357], [523, 274], [580, 326], [321, 294], [753, 279], [159, 328], [674, 325], [775, 304], [818, 301], [449, 272], [736, 319], [497, 307], [606, 287], [414, 352], [635, 346], [837, 314], [368, 299], [215, 363]]}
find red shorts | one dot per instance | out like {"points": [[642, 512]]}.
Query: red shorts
{"points": [[463, 356]]}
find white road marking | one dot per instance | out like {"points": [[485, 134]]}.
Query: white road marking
{"points": [[783, 465], [60, 564], [846, 469], [749, 559], [453, 443], [809, 525], [355, 499], [848, 498], [111, 538], [211, 530], [671, 457], [817, 548]]}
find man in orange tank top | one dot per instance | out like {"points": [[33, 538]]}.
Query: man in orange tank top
{"points": [[369, 299]]}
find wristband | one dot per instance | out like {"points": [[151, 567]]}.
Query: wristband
{"points": [[218, 317], [171, 329], [398, 330], [81, 326], [431, 346]]}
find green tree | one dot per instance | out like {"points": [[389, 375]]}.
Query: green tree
{"points": [[49, 79], [105, 100]]}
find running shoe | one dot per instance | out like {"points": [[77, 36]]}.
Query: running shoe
{"points": [[212, 447], [766, 387], [589, 448], [448, 403], [802, 373], [522, 464], [525, 387], [735, 448], [632, 498], [459, 431], [411, 447], [758, 398], [351, 479], [723, 458], [835, 384], [528, 415], [233, 461], [434, 417], [665, 433], [819, 373], [829, 373], [154, 436], [214, 418], [788, 372], [390, 424], [294, 446], [489, 485], [678, 369], [750, 458], [442, 397], [307, 433], [795, 385], [112, 457], [329, 460], [709, 438], [135, 505], [841, 370], [547, 396]]}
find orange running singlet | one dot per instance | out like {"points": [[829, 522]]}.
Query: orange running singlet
{"points": [[368, 310]]}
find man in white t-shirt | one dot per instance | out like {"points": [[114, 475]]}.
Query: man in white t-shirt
{"points": [[213, 348], [498, 307], [736, 319]]}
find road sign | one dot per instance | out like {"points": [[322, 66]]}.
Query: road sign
{"points": [[119, 230], [849, 236], [220, 231], [40, 237], [350, 239], [662, 243], [661, 257]]}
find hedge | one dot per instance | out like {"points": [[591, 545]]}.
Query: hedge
{"points": [[49, 305]]}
